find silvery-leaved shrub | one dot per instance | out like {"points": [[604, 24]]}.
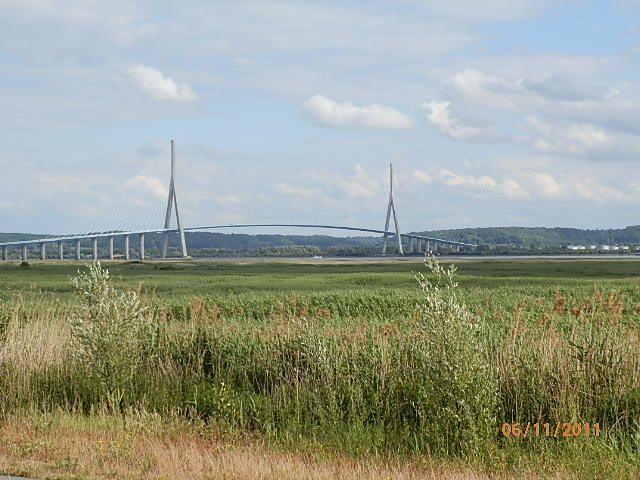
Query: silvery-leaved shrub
{"points": [[460, 393], [111, 333]]}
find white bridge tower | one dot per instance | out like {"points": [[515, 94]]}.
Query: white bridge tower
{"points": [[391, 208], [173, 204]]}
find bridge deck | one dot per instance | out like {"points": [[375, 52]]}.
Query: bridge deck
{"points": [[331, 227], [92, 235]]}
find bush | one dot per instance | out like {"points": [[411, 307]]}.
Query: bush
{"points": [[460, 391], [110, 333]]}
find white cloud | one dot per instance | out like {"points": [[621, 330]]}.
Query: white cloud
{"points": [[565, 94], [421, 176], [355, 189], [532, 90], [226, 199], [439, 115], [575, 187], [592, 190], [329, 113], [564, 88], [71, 11], [285, 188], [487, 10], [361, 185], [512, 189], [546, 184], [333, 189], [154, 83], [486, 90], [453, 179], [484, 184], [572, 138], [144, 186], [564, 113], [63, 184]]}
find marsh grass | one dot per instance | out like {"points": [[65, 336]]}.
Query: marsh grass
{"points": [[433, 373]]}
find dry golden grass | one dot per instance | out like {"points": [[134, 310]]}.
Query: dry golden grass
{"points": [[104, 446], [31, 345], [37, 344]]}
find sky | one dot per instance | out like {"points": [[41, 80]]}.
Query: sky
{"points": [[493, 113]]}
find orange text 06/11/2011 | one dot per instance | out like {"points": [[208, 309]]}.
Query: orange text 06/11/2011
{"points": [[555, 430]]}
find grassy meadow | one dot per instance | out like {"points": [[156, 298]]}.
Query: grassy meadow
{"points": [[330, 369]]}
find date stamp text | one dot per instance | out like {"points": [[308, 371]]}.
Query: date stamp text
{"points": [[555, 430]]}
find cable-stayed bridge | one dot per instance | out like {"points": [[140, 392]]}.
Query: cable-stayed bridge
{"points": [[416, 243]]}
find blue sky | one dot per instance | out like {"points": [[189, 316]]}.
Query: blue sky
{"points": [[493, 113]]}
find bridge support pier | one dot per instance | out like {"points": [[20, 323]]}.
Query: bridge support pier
{"points": [[126, 247], [5, 256], [24, 253], [110, 248], [94, 244], [60, 251], [142, 246], [411, 245], [77, 249], [43, 251]]}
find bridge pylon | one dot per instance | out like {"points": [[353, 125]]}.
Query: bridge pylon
{"points": [[391, 208], [172, 203]]}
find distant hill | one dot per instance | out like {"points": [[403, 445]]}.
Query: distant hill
{"points": [[15, 237], [540, 237]]}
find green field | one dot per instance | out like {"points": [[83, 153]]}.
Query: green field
{"points": [[343, 357], [186, 279]]}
